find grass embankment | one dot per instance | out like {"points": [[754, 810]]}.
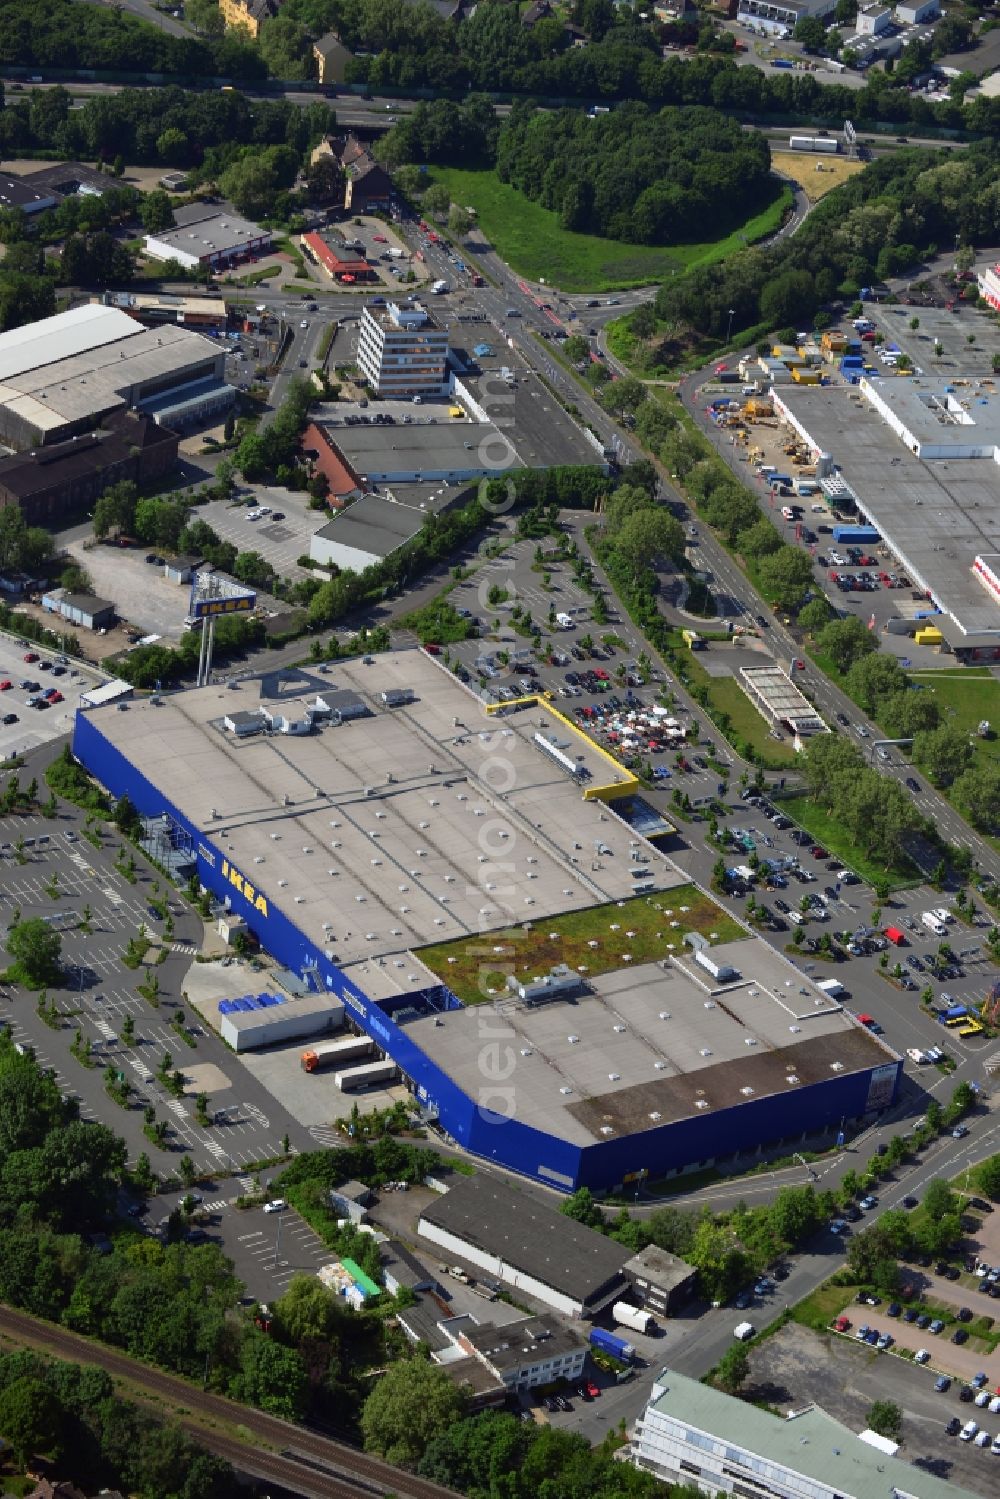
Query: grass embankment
{"points": [[529, 238], [646, 928], [747, 723], [816, 175], [838, 841]]}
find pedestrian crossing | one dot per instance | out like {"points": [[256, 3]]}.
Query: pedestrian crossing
{"points": [[184, 947], [105, 1029], [325, 1136], [176, 1107], [112, 895]]}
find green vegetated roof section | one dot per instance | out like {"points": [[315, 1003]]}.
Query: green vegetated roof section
{"points": [[472, 966]]}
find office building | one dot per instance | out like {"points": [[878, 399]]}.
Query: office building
{"points": [[691, 1433], [403, 352]]}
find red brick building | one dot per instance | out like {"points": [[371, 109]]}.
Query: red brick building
{"points": [[324, 458]]}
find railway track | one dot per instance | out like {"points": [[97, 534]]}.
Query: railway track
{"points": [[298, 1458]]}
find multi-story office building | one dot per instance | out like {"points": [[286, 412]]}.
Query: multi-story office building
{"points": [[693, 1434], [403, 352]]}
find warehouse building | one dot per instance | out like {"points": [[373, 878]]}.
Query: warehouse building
{"points": [[80, 608], [352, 847], [691, 1433], [54, 483], [528, 1245], [207, 235], [403, 352], [780, 17], [21, 195], [369, 531], [64, 375], [422, 451], [918, 460]]}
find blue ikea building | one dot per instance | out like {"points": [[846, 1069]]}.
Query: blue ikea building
{"points": [[659, 1140]]}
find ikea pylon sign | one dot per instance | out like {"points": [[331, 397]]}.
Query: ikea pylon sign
{"points": [[237, 604]]}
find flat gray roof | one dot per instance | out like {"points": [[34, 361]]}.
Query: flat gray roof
{"points": [[651, 1045], [515, 1344], [811, 1443], [213, 233], [937, 516], [373, 524], [665, 1270], [423, 445], [368, 832], [500, 1219]]}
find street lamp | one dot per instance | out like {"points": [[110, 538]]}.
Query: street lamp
{"points": [[729, 330]]}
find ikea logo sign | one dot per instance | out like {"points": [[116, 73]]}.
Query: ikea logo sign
{"points": [[249, 892]]}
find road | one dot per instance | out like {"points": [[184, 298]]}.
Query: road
{"points": [[301, 1460]]}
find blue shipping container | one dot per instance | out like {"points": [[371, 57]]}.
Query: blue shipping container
{"points": [[608, 1342], [863, 535]]}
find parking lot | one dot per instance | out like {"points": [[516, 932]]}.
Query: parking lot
{"points": [[23, 727], [97, 909], [797, 1367]]}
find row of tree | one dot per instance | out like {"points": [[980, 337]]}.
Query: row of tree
{"points": [[170, 126], [75, 1417]]}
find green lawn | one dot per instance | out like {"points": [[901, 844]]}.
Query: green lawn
{"points": [[471, 967], [727, 694], [529, 238], [823, 1306], [833, 836], [965, 696]]}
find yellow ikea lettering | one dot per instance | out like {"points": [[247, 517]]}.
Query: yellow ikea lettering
{"points": [[249, 892]]}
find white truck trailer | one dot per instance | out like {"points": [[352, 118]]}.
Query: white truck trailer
{"points": [[633, 1317]]}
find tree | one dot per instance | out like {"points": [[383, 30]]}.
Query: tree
{"points": [[31, 1419], [885, 1417], [156, 212], [35, 948], [436, 199], [460, 221], [625, 395], [582, 1208], [810, 32], [987, 1177], [814, 615], [253, 570], [646, 535], [576, 348], [114, 511], [271, 1377], [939, 1200], [732, 1369], [410, 1405], [873, 678], [785, 576], [846, 641], [251, 183], [944, 753]]}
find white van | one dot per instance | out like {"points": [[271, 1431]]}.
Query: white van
{"points": [[932, 924], [796, 918], [564, 622]]}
